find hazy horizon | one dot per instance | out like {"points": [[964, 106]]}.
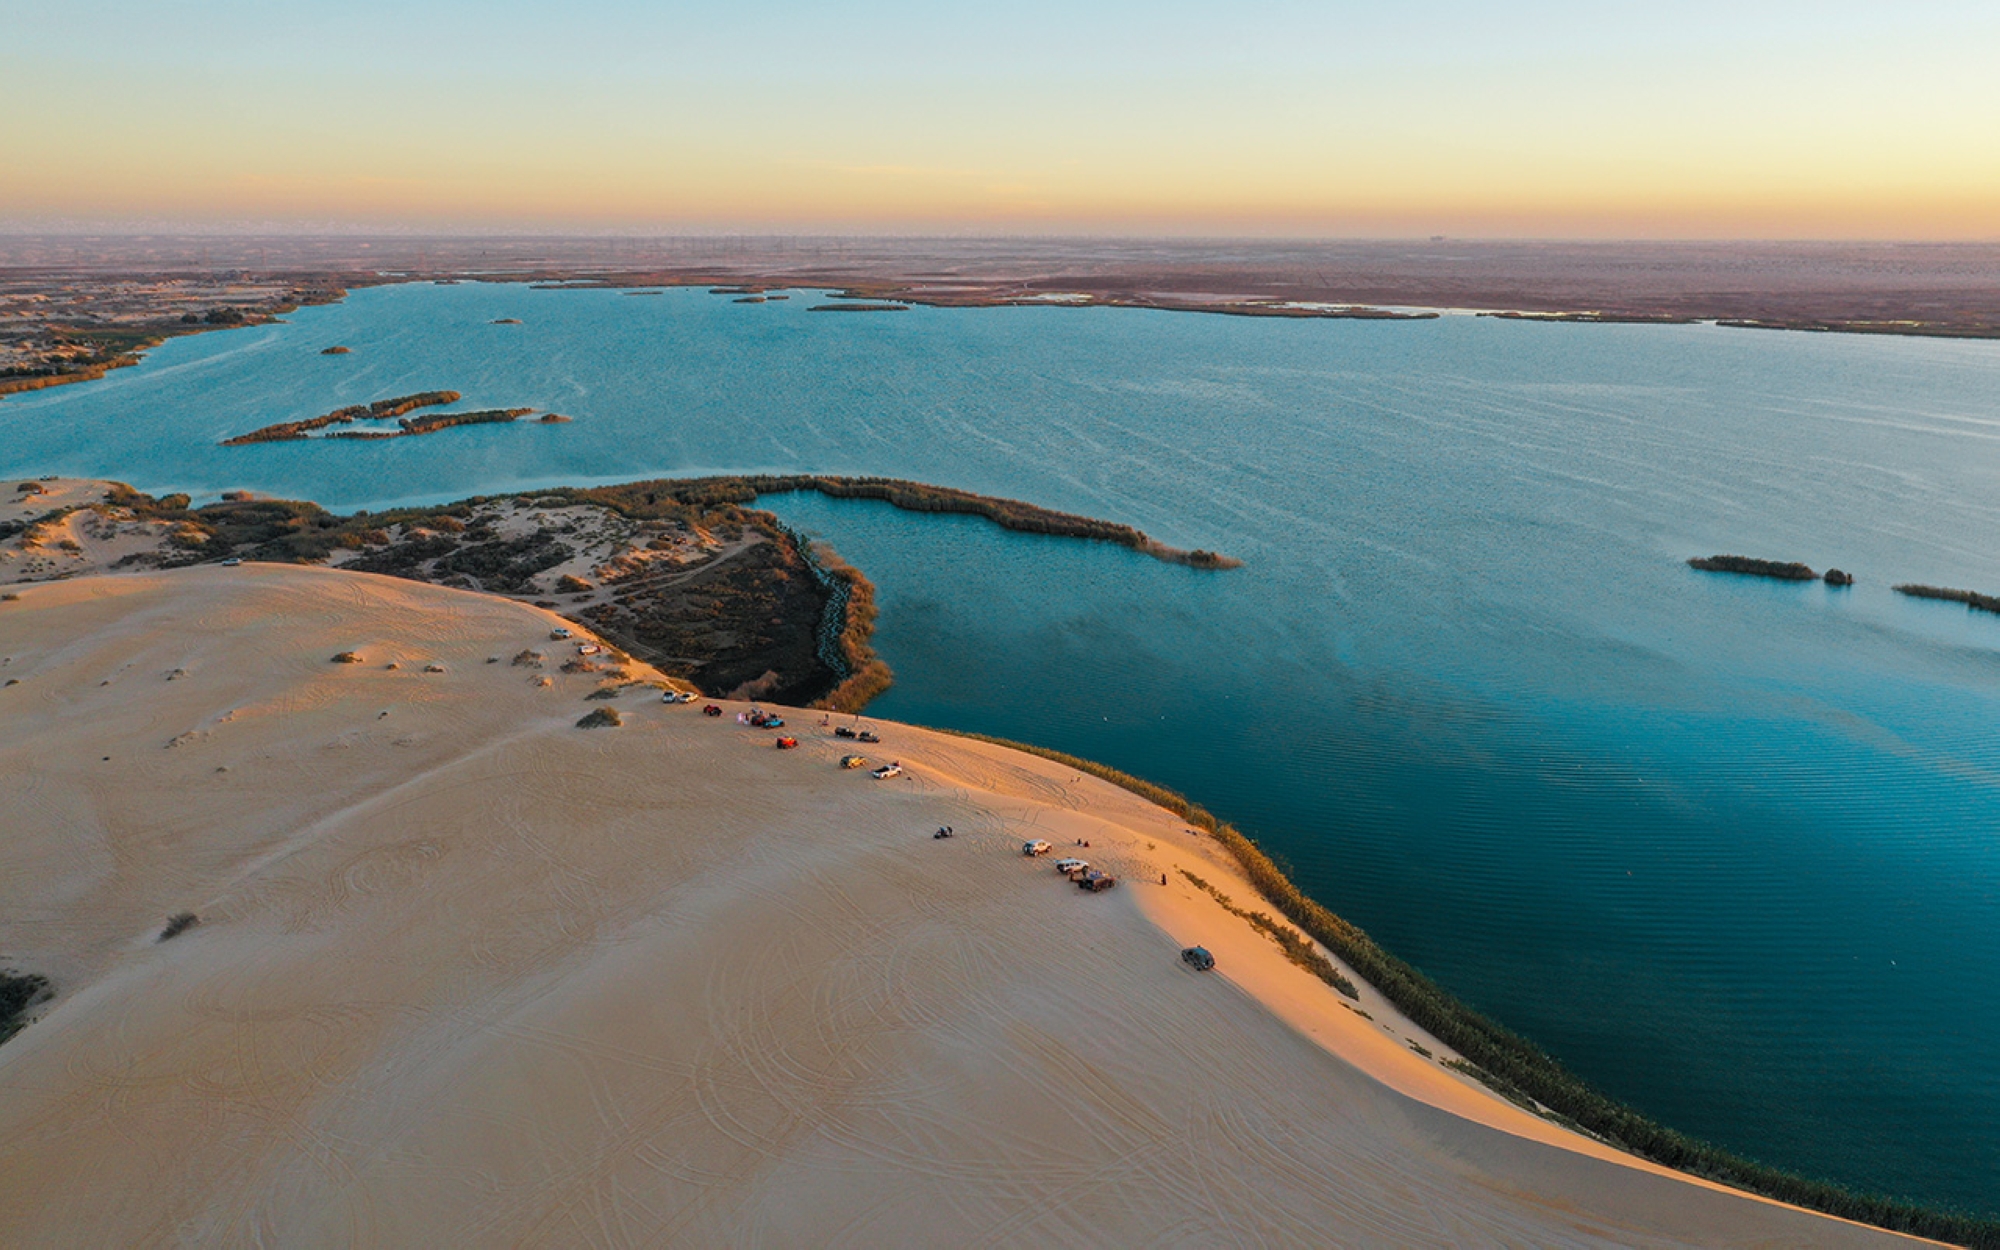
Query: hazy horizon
{"points": [[1190, 119]]}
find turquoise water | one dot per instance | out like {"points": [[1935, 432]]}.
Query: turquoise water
{"points": [[1729, 848]]}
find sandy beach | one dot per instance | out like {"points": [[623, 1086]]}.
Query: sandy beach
{"points": [[467, 974]]}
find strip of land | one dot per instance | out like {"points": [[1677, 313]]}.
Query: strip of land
{"points": [[679, 572], [1970, 598], [384, 410], [1751, 566], [448, 969], [909, 496], [1778, 570], [71, 308]]}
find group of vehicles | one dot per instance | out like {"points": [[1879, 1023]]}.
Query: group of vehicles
{"points": [[1077, 870], [757, 717], [880, 773], [771, 720]]}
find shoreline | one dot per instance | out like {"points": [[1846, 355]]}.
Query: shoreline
{"points": [[1515, 1068], [996, 295], [128, 345], [274, 627], [1526, 1071], [674, 585]]}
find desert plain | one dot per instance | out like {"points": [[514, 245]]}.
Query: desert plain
{"points": [[465, 973]]}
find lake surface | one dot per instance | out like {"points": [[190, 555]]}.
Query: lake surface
{"points": [[1729, 848]]}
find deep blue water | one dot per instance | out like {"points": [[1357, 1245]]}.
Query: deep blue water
{"points": [[1730, 848]]}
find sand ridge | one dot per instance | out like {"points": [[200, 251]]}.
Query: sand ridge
{"points": [[468, 974]]}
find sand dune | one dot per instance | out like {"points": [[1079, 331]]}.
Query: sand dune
{"points": [[469, 975]]}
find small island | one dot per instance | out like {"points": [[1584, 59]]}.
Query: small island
{"points": [[1970, 598], [431, 423], [859, 308], [505, 321], [384, 410], [1749, 566], [1784, 571], [336, 351], [380, 410], [555, 418]]}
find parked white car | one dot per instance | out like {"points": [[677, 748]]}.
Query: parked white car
{"points": [[1070, 867], [887, 771], [1036, 846]]}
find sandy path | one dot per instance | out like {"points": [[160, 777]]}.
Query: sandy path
{"points": [[468, 975]]}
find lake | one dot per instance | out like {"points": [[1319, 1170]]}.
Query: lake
{"points": [[1730, 848]]}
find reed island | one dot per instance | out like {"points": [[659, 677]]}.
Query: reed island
{"points": [[385, 410], [1784, 571]]}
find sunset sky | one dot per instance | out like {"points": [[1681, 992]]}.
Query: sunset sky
{"points": [[1743, 119]]}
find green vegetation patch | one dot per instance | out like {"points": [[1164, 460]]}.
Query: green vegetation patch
{"points": [[20, 993], [380, 410], [1753, 567], [1296, 948], [1970, 598], [1010, 514]]}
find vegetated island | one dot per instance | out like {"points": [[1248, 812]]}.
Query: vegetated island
{"points": [[1784, 571], [336, 351], [1970, 598], [431, 423], [867, 307], [505, 321], [383, 410]]}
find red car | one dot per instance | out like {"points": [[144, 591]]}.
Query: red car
{"points": [[711, 710]]}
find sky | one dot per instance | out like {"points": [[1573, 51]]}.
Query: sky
{"points": [[1523, 119]]}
